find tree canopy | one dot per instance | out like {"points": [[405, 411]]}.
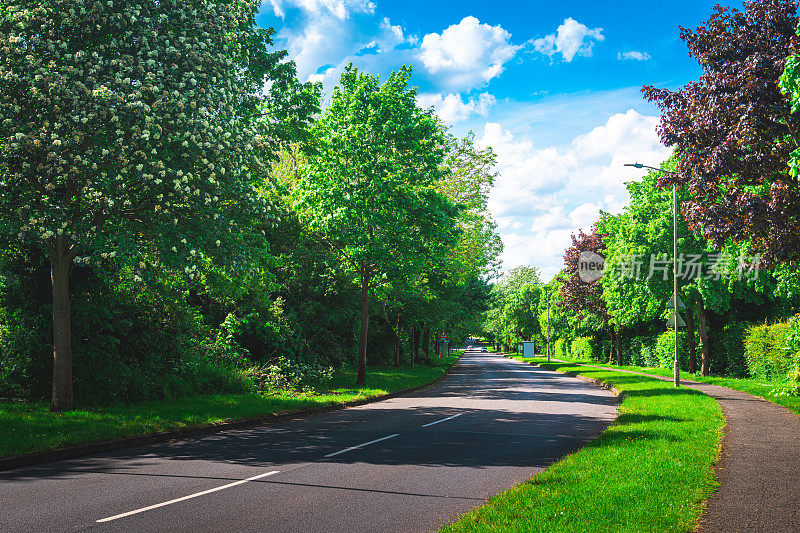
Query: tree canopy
{"points": [[734, 130], [136, 136], [369, 187]]}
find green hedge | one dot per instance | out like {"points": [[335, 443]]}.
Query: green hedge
{"points": [[561, 348], [773, 351], [726, 350], [657, 350], [642, 350], [583, 349], [665, 350]]}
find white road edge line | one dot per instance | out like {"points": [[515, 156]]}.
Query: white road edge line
{"points": [[361, 445], [189, 497], [442, 420]]}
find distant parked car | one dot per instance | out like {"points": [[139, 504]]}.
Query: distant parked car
{"points": [[483, 349]]}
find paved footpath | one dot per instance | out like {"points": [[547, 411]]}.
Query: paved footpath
{"points": [[405, 464], [759, 470]]}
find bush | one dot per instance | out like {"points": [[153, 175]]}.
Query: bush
{"points": [[793, 353], [131, 342], [25, 356], [284, 374], [665, 350], [643, 350], [773, 352], [560, 349], [726, 350], [766, 350], [583, 349]]}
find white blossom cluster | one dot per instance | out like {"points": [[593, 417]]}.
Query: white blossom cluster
{"points": [[121, 126]]}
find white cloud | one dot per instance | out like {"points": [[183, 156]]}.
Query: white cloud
{"points": [[322, 36], [340, 9], [571, 38], [392, 36], [584, 216], [467, 54], [543, 195], [628, 137], [452, 108], [634, 55], [525, 172]]}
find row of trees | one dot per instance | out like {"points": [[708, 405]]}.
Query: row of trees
{"points": [[513, 313], [734, 133], [161, 160]]}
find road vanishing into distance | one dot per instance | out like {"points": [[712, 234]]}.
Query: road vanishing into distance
{"points": [[405, 464]]}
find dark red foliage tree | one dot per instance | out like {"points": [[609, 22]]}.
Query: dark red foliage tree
{"points": [[576, 294], [734, 130]]}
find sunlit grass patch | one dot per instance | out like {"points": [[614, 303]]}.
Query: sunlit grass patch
{"points": [[649, 471], [772, 391]]}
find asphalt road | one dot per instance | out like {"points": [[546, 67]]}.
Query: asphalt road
{"points": [[405, 464]]}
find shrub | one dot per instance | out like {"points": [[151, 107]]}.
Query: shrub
{"points": [[284, 374], [665, 350], [560, 348], [726, 350], [25, 356], [793, 350], [773, 352], [765, 348], [582, 349], [633, 351], [649, 352], [642, 351], [131, 342]]}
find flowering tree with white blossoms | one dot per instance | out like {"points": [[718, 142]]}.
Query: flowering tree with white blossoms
{"points": [[135, 131]]}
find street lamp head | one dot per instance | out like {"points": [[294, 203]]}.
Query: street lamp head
{"points": [[634, 165]]}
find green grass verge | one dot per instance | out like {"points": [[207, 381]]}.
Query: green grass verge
{"points": [[649, 471], [29, 427], [772, 391]]}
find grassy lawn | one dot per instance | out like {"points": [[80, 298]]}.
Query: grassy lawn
{"points": [[649, 471], [28, 428], [769, 390]]}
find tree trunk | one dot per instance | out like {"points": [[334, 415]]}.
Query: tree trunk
{"points": [[362, 339], [60, 261], [705, 361], [398, 330], [611, 347], [690, 338], [618, 337], [426, 341], [415, 347]]}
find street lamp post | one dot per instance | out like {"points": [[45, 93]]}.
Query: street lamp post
{"points": [[676, 367], [547, 290]]}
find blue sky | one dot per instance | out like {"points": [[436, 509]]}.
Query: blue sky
{"points": [[554, 88]]}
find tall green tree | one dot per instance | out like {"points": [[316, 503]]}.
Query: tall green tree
{"points": [[639, 253], [135, 134], [555, 318], [467, 182], [369, 186]]}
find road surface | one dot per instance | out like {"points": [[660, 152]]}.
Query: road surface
{"points": [[405, 464]]}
